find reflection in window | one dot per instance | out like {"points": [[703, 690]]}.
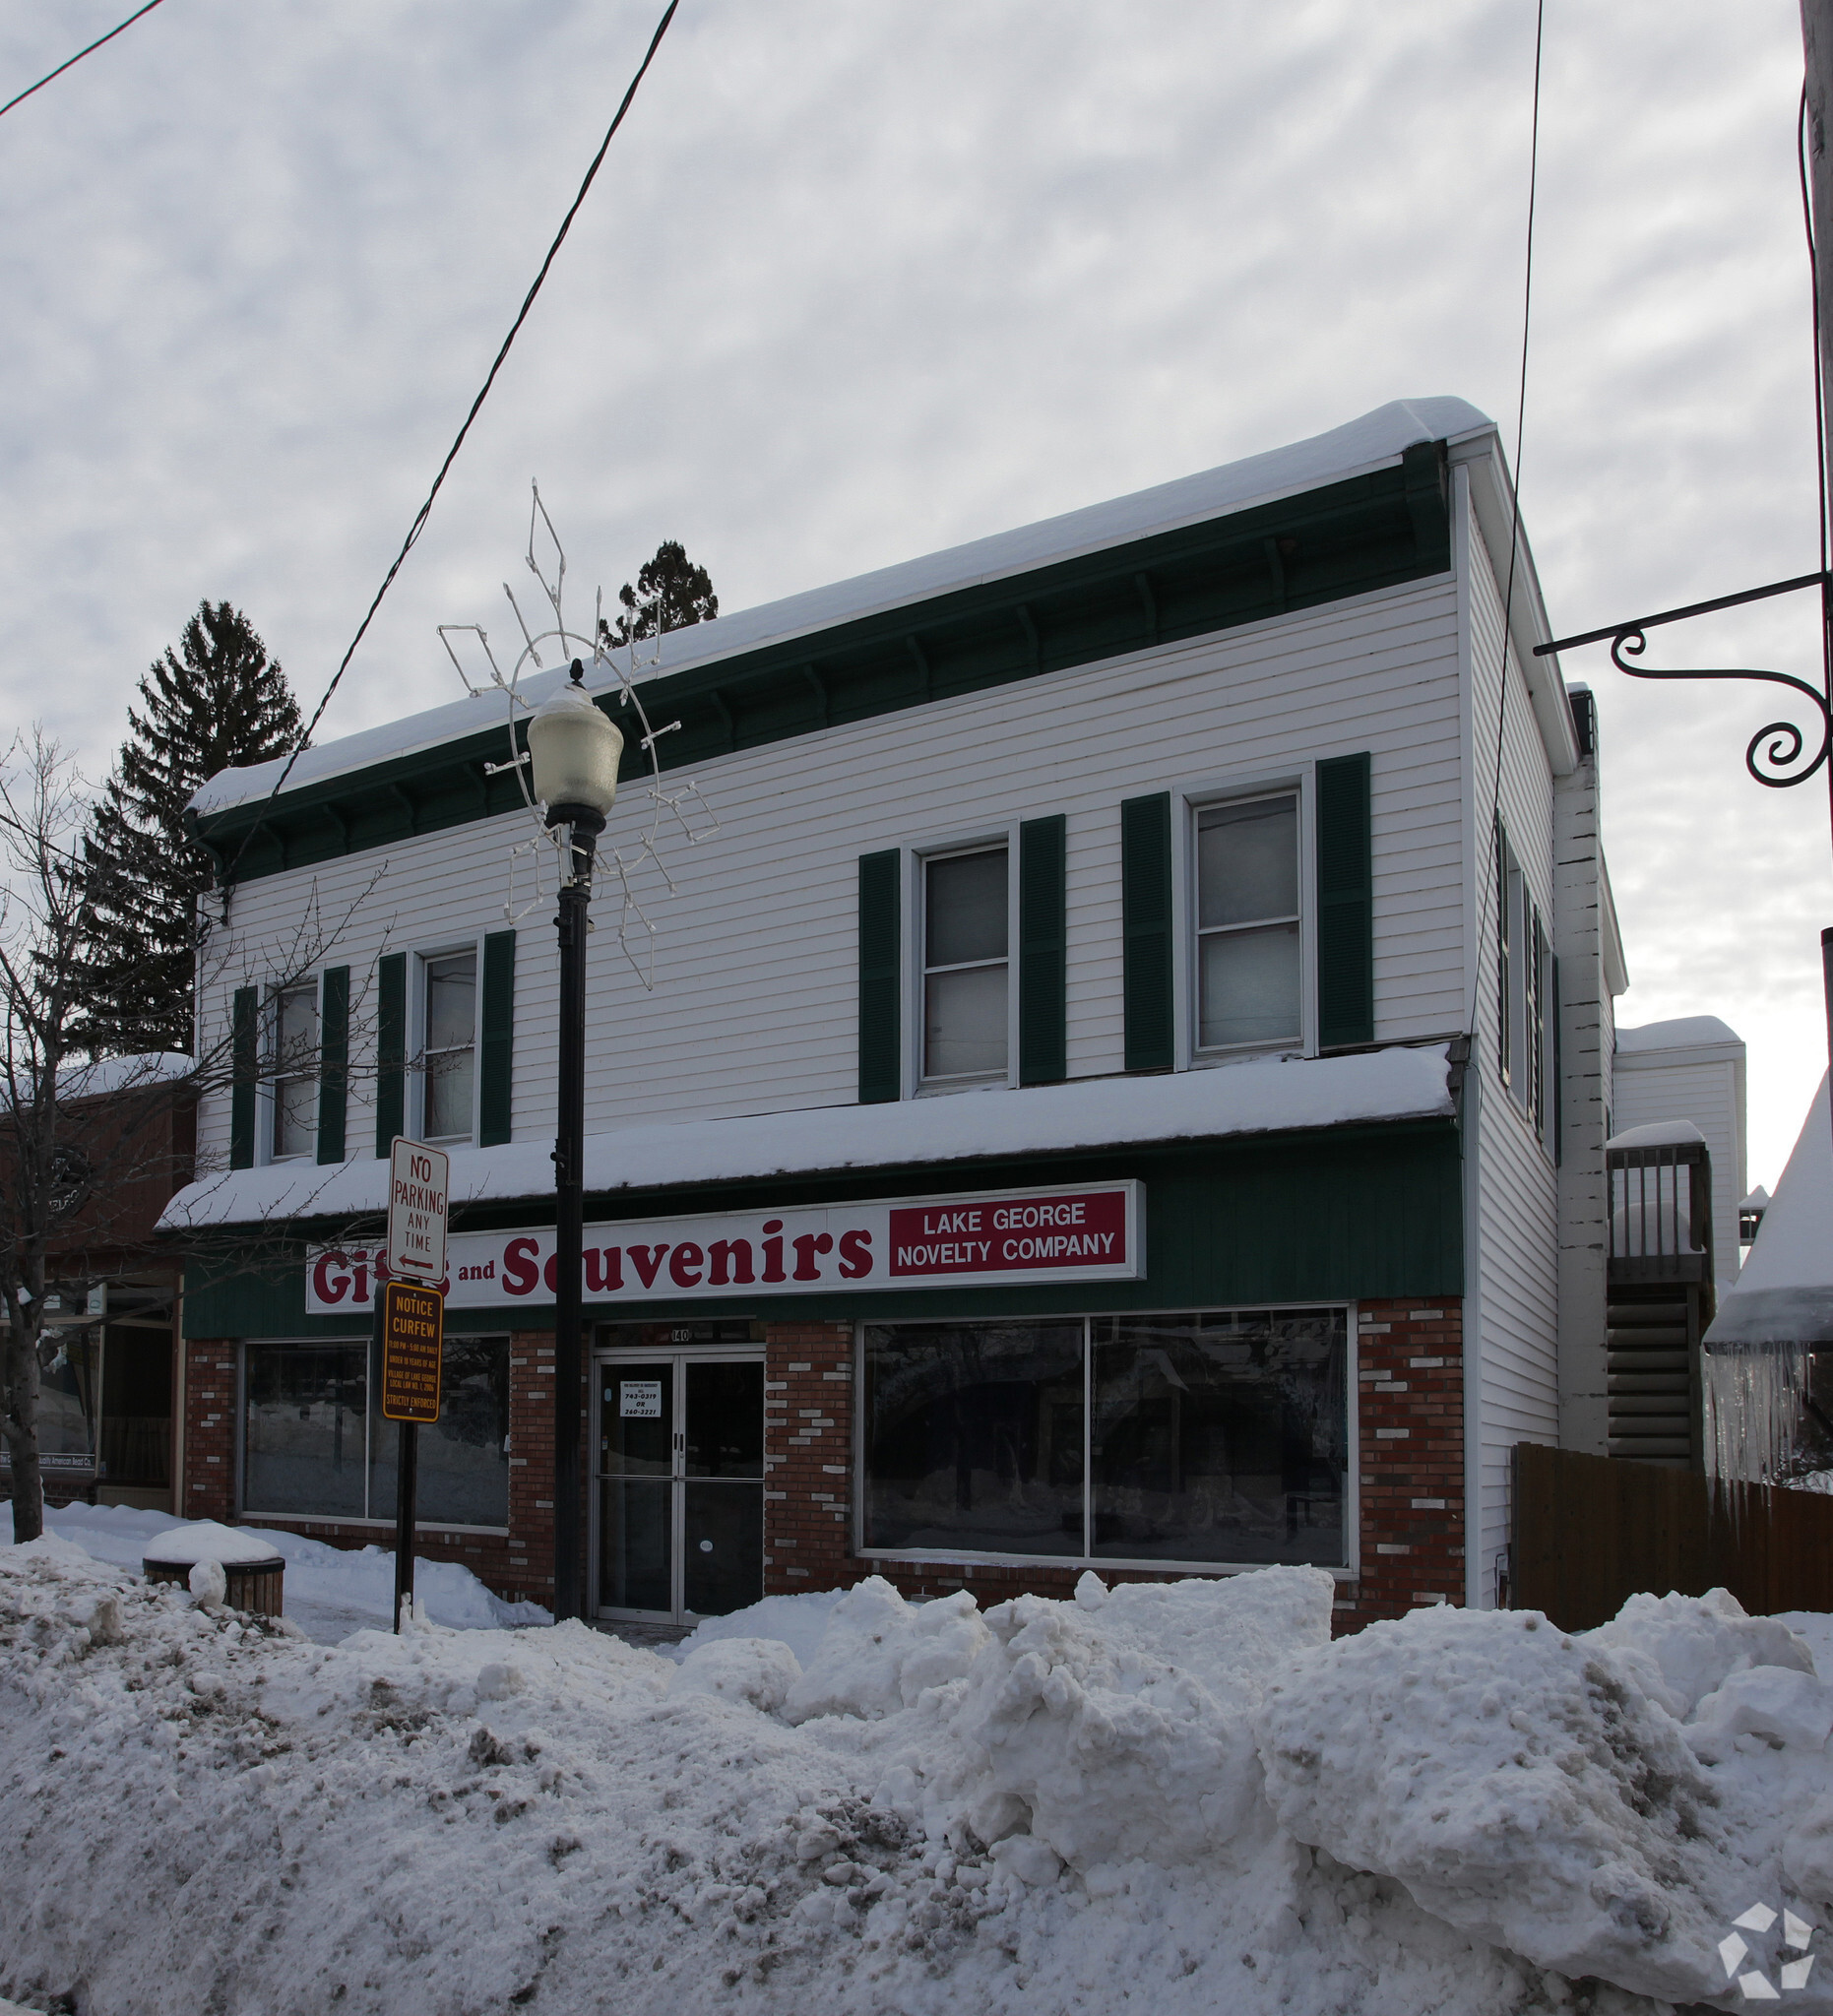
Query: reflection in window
{"points": [[463, 1458], [1220, 1437], [304, 1444], [67, 1396], [1247, 923], [973, 1436], [295, 1071], [310, 1446], [451, 1047], [965, 959]]}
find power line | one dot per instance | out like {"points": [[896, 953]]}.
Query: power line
{"points": [[77, 59], [425, 511], [1514, 518]]}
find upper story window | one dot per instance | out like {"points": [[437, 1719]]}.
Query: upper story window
{"points": [[295, 1071], [965, 965], [1248, 948], [1523, 993], [449, 1051]]}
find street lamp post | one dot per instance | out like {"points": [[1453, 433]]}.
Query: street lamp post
{"points": [[574, 750]]}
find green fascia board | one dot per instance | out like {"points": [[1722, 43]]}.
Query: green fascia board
{"points": [[1374, 1211], [1371, 531]]}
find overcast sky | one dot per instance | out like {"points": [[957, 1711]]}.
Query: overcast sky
{"points": [[865, 278]]}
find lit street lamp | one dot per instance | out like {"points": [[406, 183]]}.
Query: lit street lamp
{"points": [[574, 749]]}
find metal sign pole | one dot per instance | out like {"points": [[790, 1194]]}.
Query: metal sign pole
{"points": [[406, 1459]]}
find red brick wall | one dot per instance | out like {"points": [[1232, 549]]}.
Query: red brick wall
{"points": [[530, 1465], [209, 1389], [1411, 1417]]}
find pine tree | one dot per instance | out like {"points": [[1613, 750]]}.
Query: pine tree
{"points": [[217, 701], [671, 593]]}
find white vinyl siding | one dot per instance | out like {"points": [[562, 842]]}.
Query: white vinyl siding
{"points": [[755, 1008], [1513, 1266]]}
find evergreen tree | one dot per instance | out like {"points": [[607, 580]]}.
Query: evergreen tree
{"points": [[671, 593], [219, 701]]}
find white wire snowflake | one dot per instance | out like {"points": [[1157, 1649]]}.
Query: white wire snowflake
{"points": [[678, 811]]}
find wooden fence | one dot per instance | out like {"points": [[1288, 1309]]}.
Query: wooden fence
{"points": [[1590, 1530]]}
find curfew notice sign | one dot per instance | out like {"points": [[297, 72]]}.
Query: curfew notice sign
{"points": [[414, 1322]]}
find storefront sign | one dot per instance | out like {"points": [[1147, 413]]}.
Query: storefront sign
{"points": [[639, 1400], [1007, 1238], [412, 1334]]}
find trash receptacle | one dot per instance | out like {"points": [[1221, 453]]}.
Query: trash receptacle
{"points": [[252, 1570]]}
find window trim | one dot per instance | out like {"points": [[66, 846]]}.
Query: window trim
{"points": [[286, 1521], [1188, 801], [970, 1557], [917, 858], [268, 1091], [415, 1060]]}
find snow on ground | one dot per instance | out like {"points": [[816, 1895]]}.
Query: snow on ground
{"points": [[1180, 1797], [328, 1591]]}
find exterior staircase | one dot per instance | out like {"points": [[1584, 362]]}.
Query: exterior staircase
{"points": [[1660, 1298]]}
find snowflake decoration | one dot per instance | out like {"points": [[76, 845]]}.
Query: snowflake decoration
{"points": [[676, 815]]}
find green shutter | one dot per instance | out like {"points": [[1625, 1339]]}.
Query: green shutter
{"points": [[391, 1050], [495, 1081], [1345, 904], [1042, 981], [334, 1054], [881, 1072], [244, 1067], [1146, 932]]}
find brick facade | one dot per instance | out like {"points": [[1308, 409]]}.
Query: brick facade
{"points": [[1410, 1363], [1409, 1398]]}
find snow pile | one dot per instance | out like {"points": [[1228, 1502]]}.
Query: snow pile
{"points": [[329, 1591], [1181, 1796]]}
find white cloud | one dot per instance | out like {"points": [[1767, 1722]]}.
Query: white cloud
{"points": [[860, 280]]}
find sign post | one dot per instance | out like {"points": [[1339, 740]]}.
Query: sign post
{"points": [[410, 1328]]}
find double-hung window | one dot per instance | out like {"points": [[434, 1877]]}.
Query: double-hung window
{"points": [[295, 1070], [1248, 944], [1523, 993], [966, 966], [448, 1051]]}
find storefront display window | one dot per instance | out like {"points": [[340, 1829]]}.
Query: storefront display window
{"points": [[312, 1449], [1210, 1437]]}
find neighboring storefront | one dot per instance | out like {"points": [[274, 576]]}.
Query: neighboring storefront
{"points": [[1170, 1357]]}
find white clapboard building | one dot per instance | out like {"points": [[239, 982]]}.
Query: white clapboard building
{"points": [[1124, 1087]]}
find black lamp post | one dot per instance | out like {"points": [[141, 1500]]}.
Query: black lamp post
{"points": [[574, 749]]}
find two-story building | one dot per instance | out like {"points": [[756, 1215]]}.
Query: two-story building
{"points": [[1124, 1087]]}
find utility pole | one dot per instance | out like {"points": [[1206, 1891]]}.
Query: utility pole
{"points": [[1817, 56]]}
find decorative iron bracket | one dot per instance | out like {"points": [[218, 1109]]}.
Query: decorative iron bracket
{"points": [[1780, 745]]}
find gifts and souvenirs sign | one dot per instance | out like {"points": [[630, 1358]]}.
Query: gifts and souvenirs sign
{"points": [[1010, 1238]]}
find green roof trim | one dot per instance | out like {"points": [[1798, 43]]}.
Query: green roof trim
{"points": [[1320, 1215], [1370, 532]]}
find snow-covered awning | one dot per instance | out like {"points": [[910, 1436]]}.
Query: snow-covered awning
{"points": [[1269, 1096], [1784, 1295]]}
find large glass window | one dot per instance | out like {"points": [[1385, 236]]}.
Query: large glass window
{"points": [[295, 1071], [1247, 923], [1212, 1437], [311, 1446], [1220, 1437], [973, 1436], [964, 961], [451, 1048]]}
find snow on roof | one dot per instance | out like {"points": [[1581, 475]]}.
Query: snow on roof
{"points": [[1758, 1200], [1264, 1097], [1783, 1293], [1683, 1032], [1375, 441], [1657, 1134]]}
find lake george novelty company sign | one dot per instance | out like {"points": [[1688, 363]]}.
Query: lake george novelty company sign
{"points": [[1088, 1233]]}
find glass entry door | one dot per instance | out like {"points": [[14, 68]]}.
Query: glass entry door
{"points": [[680, 1485]]}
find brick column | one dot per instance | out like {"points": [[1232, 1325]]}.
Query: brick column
{"points": [[808, 1456], [1410, 1409], [531, 1464], [209, 1429]]}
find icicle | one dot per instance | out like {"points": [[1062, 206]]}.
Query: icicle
{"points": [[1753, 1397]]}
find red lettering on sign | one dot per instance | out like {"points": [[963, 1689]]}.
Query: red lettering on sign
{"points": [[773, 1252], [325, 1287], [520, 1273], [684, 1265], [855, 1255], [729, 1259], [647, 1260], [604, 1269], [806, 1247]]}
